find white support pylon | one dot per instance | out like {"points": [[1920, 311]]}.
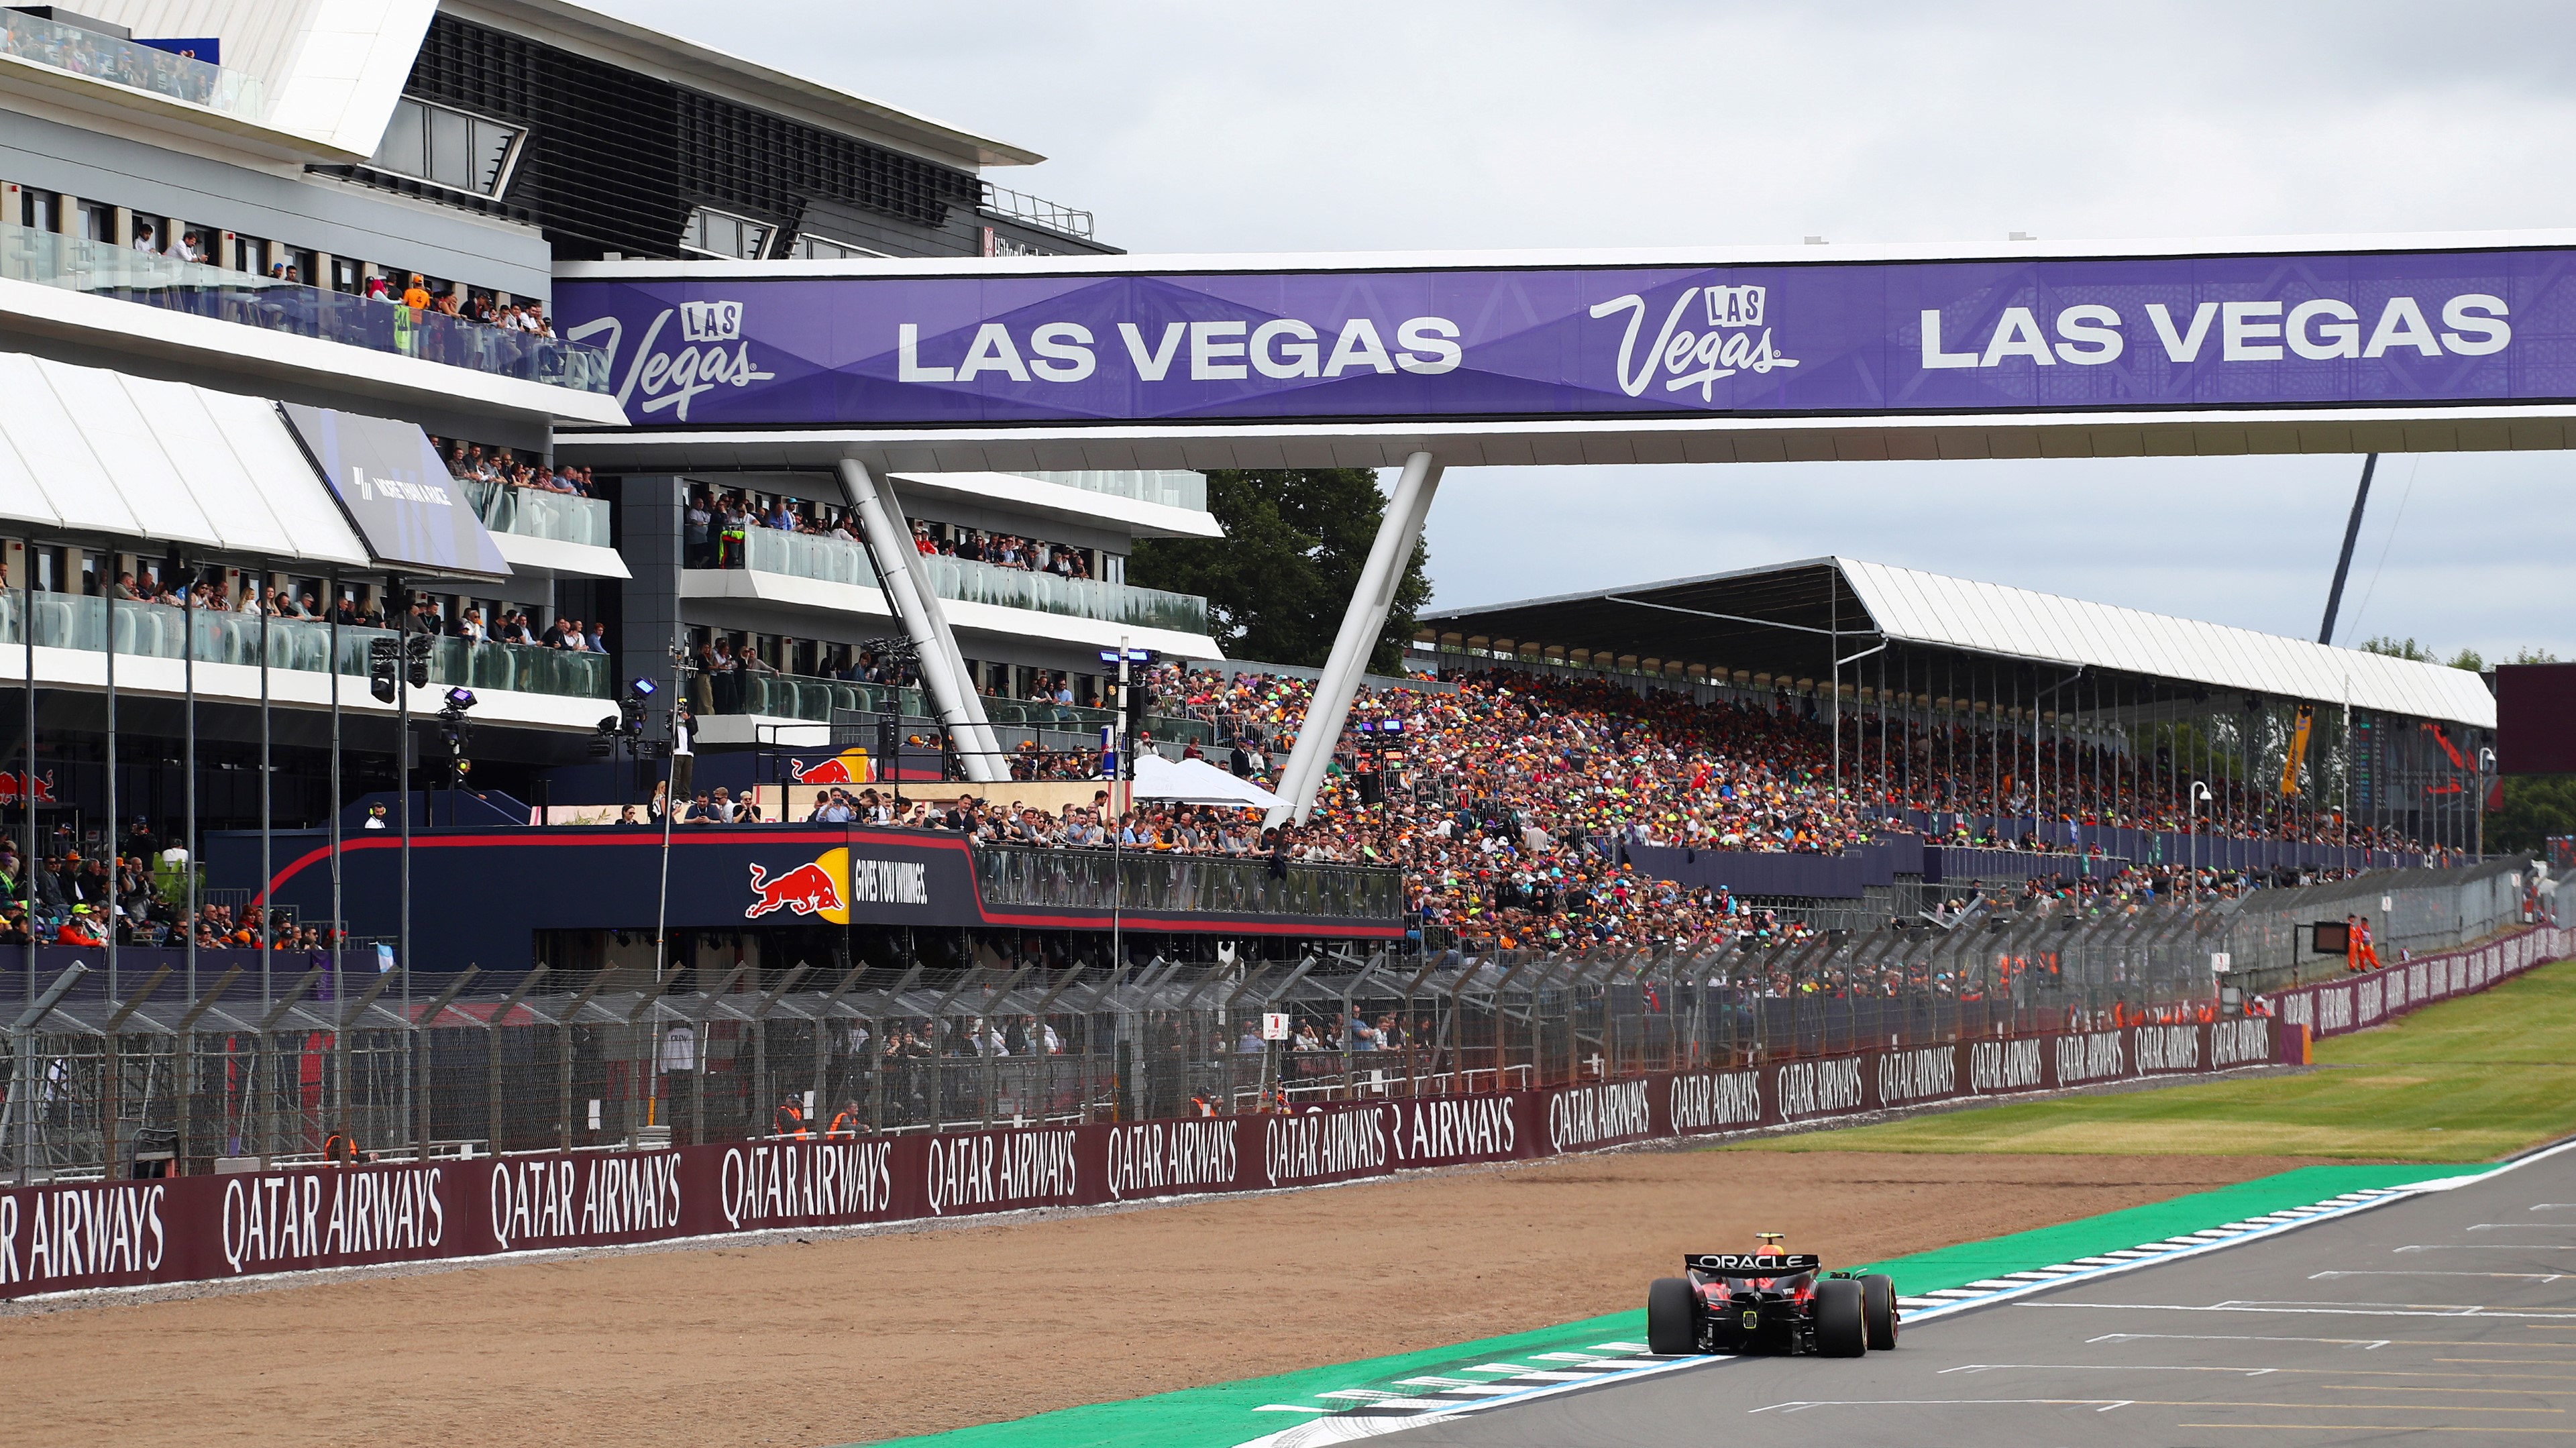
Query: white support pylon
{"points": [[1348, 664]]}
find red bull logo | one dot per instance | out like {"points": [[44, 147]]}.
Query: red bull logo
{"points": [[850, 766], [808, 889], [13, 786]]}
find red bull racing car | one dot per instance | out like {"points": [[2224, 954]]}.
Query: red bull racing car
{"points": [[1768, 1301]]}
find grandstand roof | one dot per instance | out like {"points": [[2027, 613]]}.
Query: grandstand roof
{"points": [[1789, 617]]}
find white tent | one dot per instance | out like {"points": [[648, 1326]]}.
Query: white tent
{"points": [[1195, 781]]}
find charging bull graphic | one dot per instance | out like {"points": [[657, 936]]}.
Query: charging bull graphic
{"points": [[850, 766], [12, 787], [807, 890]]}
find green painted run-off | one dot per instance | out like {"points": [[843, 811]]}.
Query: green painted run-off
{"points": [[1225, 1414]]}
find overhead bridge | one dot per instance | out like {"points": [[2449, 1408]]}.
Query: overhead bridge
{"points": [[2421, 343]]}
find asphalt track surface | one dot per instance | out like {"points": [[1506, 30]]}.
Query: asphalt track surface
{"points": [[2448, 1317]]}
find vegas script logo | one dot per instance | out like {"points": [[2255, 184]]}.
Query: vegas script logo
{"points": [[712, 354], [1738, 339]]}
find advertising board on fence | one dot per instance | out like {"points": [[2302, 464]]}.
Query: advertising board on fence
{"points": [[2362, 1001], [71, 1237]]}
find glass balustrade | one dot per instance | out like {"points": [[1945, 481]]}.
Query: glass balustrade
{"points": [[808, 555], [131, 64], [794, 696], [1172, 489], [967, 581], [838, 560], [154, 630], [536, 513], [152, 279]]}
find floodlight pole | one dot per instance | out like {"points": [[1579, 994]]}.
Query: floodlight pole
{"points": [[1375, 595]]}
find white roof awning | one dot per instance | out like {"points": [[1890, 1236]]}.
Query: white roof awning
{"points": [[1927, 608], [87, 450]]}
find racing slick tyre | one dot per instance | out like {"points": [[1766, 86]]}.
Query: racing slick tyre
{"points": [[1672, 1317], [1878, 1310], [1840, 1331]]}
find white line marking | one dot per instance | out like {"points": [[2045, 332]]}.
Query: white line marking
{"points": [[2438, 1274], [2113, 1368], [2100, 1404], [1365, 1395], [2359, 1342], [2488, 1247], [2305, 1311], [1292, 1408], [1568, 1357]]}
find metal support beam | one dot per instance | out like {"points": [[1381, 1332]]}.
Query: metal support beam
{"points": [[1387, 560], [907, 583], [2351, 535]]}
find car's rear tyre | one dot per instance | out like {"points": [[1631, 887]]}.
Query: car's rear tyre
{"points": [[1878, 1310], [1672, 1317], [1840, 1330]]}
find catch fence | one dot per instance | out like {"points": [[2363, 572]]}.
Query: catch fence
{"points": [[265, 1068]]}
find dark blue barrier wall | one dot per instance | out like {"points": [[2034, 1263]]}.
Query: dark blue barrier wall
{"points": [[2167, 847]]}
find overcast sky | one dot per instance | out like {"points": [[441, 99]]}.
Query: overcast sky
{"points": [[1333, 126]]}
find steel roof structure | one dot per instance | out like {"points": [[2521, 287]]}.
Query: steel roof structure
{"points": [[1791, 618]]}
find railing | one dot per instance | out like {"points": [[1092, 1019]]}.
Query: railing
{"points": [[126, 63], [1171, 488], [536, 513], [962, 580], [902, 1044], [2270, 947], [808, 555], [154, 630], [103, 269], [967, 581], [795, 696], [1036, 211], [1193, 884]]}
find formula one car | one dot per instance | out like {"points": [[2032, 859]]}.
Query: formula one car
{"points": [[1768, 1301]]}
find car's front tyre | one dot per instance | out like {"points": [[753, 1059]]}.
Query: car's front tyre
{"points": [[1672, 1317]]}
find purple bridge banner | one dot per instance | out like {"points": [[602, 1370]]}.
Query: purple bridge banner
{"points": [[770, 345]]}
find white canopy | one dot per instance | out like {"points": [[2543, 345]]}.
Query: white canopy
{"points": [[1195, 781], [88, 450], [2016, 622]]}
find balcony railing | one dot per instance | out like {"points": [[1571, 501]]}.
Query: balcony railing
{"points": [[1036, 211], [838, 560], [808, 555], [126, 63], [154, 280], [154, 631], [967, 581], [1197, 884], [794, 696], [1170, 487], [536, 513]]}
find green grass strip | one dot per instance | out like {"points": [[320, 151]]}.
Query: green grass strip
{"points": [[2471, 1079], [1225, 1414]]}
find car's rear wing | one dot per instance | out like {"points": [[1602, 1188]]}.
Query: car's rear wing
{"points": [[1751, 1264]]}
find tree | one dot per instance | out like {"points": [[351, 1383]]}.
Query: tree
{"points": [[1280, 579], [2397, 648], [2536, 806]]}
